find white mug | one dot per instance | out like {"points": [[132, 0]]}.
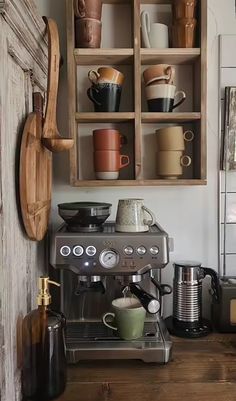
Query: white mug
{"points": [[130, 216], [154, 34]]}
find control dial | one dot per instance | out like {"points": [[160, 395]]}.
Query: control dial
{"points": [[128, 250], [109, 258], [154, 250], [78, 250], [141, 250], [65, 250]]}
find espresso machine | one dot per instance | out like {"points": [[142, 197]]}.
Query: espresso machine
{"points": [[98, 264]]}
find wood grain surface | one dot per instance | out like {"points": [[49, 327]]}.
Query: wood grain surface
{"points": [[200, 370]]}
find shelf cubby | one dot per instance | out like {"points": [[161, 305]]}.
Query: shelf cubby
{"points": [[125, 52]]}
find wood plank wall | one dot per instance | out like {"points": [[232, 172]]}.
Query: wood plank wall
{"points": [[23, 66]]}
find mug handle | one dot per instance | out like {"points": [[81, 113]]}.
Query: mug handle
{"points": [[105, 322], [93, 76], [79, 8], [145, 23], [165, 77], [90, 96], [188, 135], [170, 71], [122, 165], [181, 100], [187, 162], [153, 217]]}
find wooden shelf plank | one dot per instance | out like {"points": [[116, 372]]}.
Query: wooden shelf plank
{"points": [[103, 56], [142, 1], [169, 117], [137, 183], [170, 56], [103, 117]]}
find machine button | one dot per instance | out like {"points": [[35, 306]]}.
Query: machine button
{"points": [[154, 250], [91, 250], [128, 250], [141, 250], [65, 250], [78, 250]]}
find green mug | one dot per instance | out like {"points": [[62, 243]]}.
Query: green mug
{"points": [[128, 317]]}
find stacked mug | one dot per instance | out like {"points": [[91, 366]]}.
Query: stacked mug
{"points": [[88, 25], [184, 23], [160, 90], [107, 158], [105, 92], [170, 155]]}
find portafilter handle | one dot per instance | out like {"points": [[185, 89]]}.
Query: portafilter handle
{"points": [[214, 282], [150, 303]]}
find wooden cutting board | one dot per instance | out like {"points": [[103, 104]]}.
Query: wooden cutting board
{"points": [[35, 175]]}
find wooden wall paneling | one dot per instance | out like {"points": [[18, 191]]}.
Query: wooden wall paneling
{"points": [[23, 66]]}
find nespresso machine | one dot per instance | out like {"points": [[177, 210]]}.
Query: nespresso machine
{"points": [[98, 264]]}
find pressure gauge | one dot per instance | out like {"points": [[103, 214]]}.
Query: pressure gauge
{"points": [[109, 258]]}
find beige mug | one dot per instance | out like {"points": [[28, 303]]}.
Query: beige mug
{"points": [[170, 163], [106, 75], [159, 74], [173, 138], [130, 216]]}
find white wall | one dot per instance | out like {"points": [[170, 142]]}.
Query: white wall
{"points": [[189, 214]]}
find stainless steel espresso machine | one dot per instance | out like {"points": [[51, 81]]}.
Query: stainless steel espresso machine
{"points": [[98, 264]]}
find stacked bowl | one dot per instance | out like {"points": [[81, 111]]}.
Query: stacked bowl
{"points": [[184, 23], [160, 89], [170, 155], [88, 25]]}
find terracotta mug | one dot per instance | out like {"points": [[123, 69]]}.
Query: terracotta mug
{"points": [[131, 216], [184, 33], [170, 163], [88, 33], [106, 75], [108, 139], [183, 9], [108, 163], [173, 138], [88, 9], [159, 74]]}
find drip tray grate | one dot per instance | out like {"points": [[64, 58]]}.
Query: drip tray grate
{"points": [[96, 331]]}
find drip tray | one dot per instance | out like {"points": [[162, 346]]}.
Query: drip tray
{"points": [[93, 340]]}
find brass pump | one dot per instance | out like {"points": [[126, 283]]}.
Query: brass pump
{"points": [[44, 298]]}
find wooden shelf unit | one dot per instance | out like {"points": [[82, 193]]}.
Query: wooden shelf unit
{"points": [[135, 57]]}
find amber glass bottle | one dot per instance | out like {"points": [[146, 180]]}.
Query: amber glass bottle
{"points": [[44, 357]]}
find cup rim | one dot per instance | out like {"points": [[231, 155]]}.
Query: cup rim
{"points": [[134, 301]]}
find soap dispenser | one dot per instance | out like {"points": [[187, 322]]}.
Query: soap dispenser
{"points": [[43, 356]]}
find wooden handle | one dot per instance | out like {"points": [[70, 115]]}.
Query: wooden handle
{"points": [[50, 129]]}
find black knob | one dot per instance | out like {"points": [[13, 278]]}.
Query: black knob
{"points": [[150, 303]]}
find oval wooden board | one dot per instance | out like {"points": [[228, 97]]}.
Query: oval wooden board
{"points": [[35, 179]]}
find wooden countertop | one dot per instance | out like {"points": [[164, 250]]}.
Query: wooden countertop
{"points": [[200, 370]]}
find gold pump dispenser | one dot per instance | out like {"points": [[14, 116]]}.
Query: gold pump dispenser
{"points": [[44, 298]]}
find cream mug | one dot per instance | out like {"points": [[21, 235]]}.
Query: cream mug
{"points": [[170, 163], [130, 216], [154, 35], [173, 138]]}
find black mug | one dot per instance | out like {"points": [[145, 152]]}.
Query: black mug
{"points": [[162, 97], [105, 97]]}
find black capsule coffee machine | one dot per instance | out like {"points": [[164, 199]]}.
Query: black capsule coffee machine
{"points": [[187, 320]]}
